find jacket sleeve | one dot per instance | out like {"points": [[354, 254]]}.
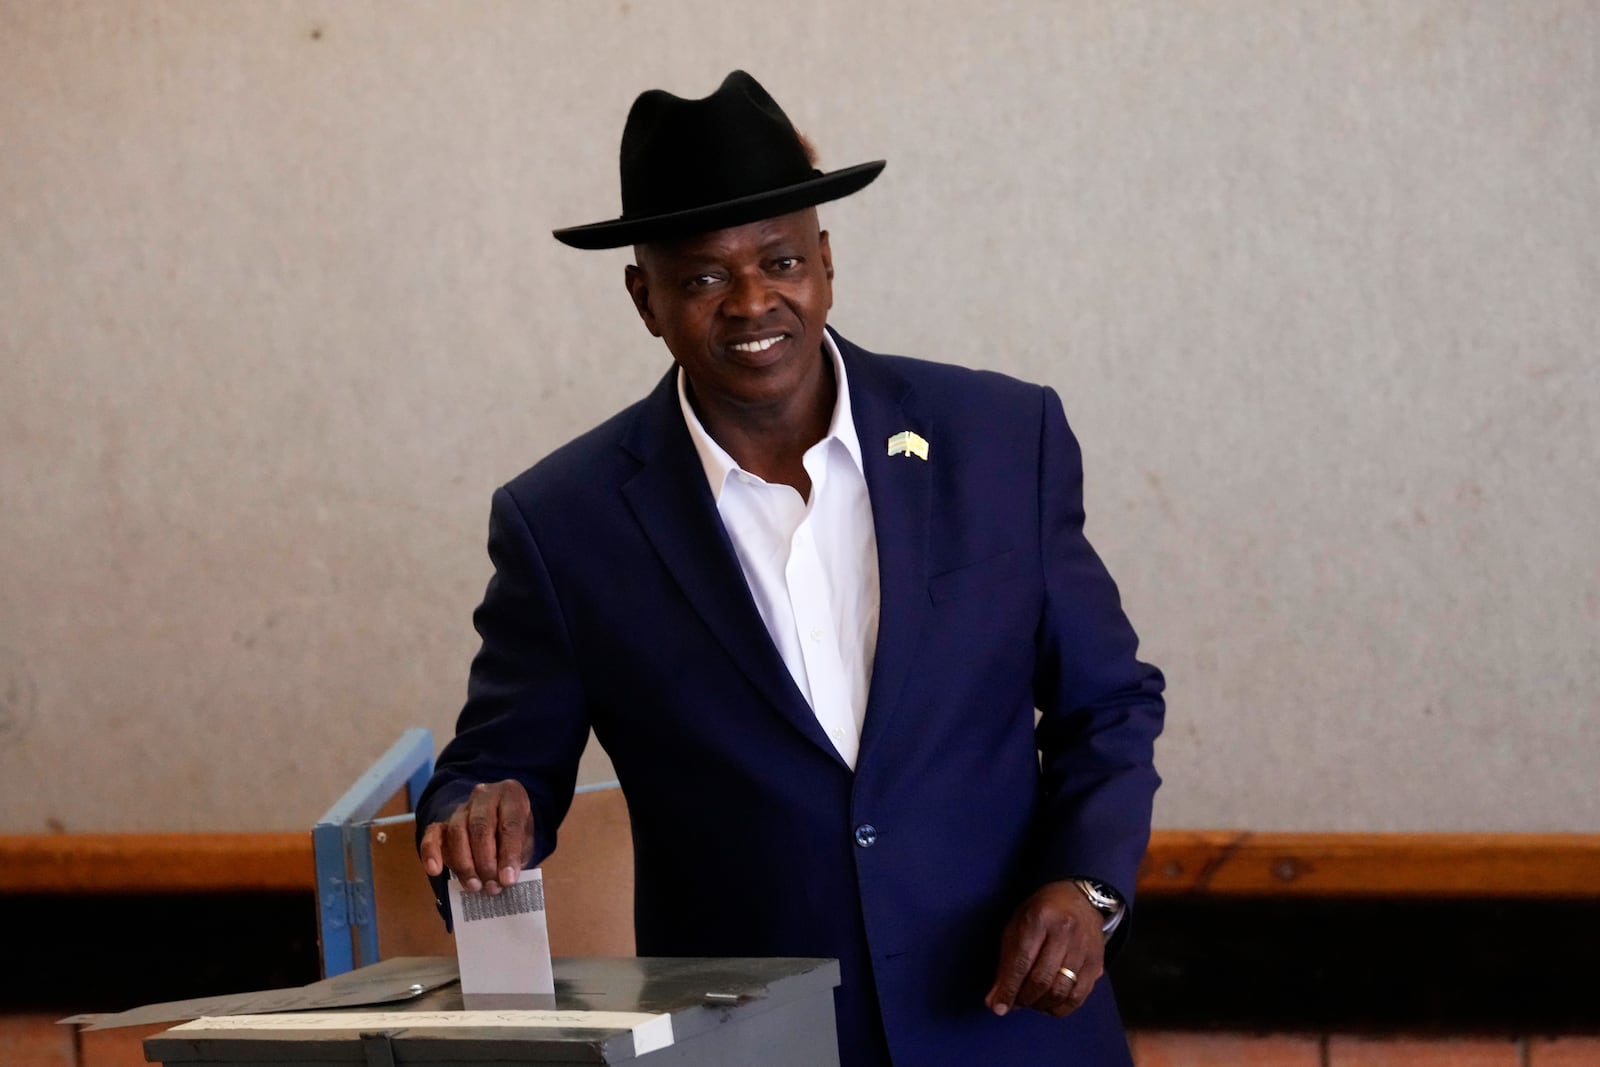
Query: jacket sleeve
{"points": [[524, 717], [1100, 707]]}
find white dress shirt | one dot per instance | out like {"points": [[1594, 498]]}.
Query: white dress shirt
{"points": [[812, 565]]}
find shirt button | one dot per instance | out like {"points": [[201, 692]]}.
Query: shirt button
{"points": [[866, 835], [816, 633]]}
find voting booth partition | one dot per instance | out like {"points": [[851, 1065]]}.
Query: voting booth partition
{"points": [[373, 902], [367, 868]]}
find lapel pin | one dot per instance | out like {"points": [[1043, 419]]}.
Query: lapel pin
{"points": [[907, 443]]}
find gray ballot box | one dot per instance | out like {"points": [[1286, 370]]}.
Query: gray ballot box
{"points": [[659, 1012]]}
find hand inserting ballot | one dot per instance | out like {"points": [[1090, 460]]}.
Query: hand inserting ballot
{"points": [[486, 841]]}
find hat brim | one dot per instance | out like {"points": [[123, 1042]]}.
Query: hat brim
{"points": [[616, 233]]}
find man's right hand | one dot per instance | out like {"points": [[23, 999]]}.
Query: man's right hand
{"points": [[486, 841]]}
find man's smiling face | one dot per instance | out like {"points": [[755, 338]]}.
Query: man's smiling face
{"points": [[741, 310]]}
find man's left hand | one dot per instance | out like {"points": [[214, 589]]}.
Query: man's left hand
{"points": [[1054, 931]]}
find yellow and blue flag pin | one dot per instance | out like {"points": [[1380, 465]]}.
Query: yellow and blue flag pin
{"points": [[907, 443]]}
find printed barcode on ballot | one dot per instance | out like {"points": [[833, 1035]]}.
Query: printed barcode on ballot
{"points": [[516, 899]]}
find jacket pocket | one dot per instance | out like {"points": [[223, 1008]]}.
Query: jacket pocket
{"points": [[970, 578]]}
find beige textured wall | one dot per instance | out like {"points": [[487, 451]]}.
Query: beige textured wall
{"points": [[1318, 283]]}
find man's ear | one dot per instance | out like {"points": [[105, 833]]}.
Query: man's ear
{"points": [[639, 291], [826, 253]]}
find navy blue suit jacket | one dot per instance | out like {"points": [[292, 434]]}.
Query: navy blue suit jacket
{"points": [[617, 603]]}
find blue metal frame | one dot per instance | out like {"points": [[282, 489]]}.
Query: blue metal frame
{"points": [[347, 926]]}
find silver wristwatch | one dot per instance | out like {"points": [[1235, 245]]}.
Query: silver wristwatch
{"points": [[1105, 901]]}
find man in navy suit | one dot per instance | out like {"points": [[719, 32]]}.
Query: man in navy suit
{"points": [[868, 690]]}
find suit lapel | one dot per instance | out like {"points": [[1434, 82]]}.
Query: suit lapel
{"points": [[901, 489], [673, 504]]}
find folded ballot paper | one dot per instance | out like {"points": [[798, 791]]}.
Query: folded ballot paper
{"points": [[502, 941]]}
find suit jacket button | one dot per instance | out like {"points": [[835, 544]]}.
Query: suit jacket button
{"points": [[866, 835]]}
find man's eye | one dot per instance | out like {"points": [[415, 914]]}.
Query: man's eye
{"points": [[784, 264], [703, 281]]}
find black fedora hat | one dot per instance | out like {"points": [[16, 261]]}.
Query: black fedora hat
{"points": [[689, 166]]}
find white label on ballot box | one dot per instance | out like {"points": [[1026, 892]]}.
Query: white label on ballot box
{"points": [[502, 942], [650, 1031]]}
